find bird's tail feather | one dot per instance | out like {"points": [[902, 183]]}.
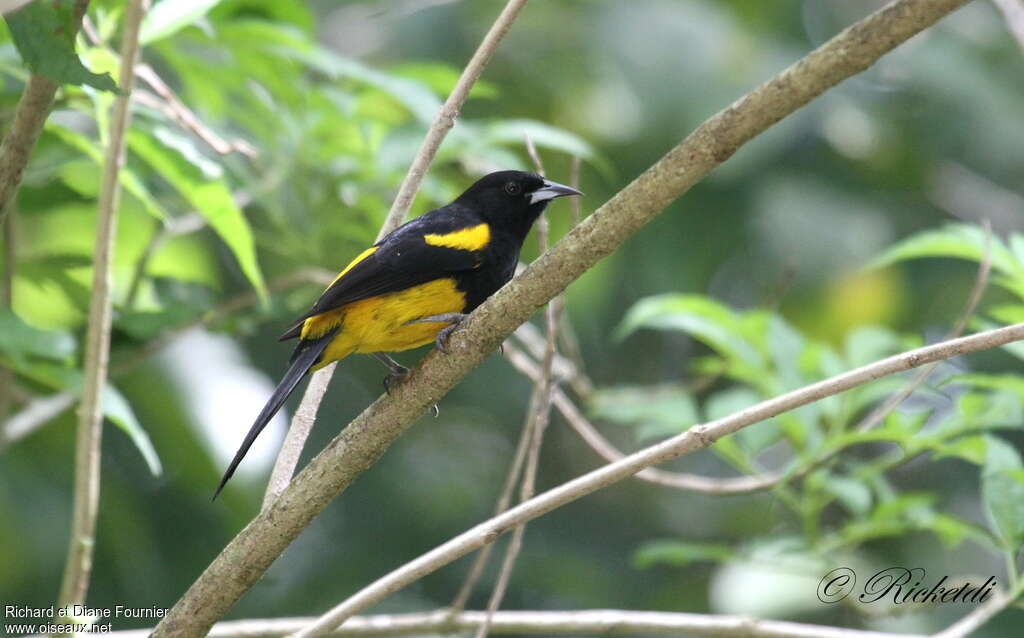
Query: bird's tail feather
{"points": [[305, 357]]}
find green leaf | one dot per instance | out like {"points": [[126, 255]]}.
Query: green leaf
{"points": [[1012, 382], [961, 241], [1007, 313], [119, 411], [953, 530], [18, 339], [784, 345], [867, 344], [981, 411], [44, 33], [210, 196], [186, 258], [853, 494], [167, 17], [543, 135], [655, 412], [1017, 246], [704, 319], [442, 78], [973, 449], [416, 97], [1015, 348], [144, 325], [86, 181], [739, 448], [679, 553], [753, 439], [112, 403], [907, 505], [1002, 490]]}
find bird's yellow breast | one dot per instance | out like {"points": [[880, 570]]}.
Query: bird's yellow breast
{"points": [[381, 323]]}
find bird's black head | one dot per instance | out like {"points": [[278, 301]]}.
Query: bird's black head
{"points": [[513, 199]]}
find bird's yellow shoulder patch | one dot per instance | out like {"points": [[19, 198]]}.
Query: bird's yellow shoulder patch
{"points": [[361, 256], [471, 238]]}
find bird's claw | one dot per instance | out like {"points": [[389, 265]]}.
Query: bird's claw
{"points": [[392, 377], [441, 340], [395, 370], [453, 319]]}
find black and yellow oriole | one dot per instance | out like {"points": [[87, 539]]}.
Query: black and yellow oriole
{"points": [[416, 284]]}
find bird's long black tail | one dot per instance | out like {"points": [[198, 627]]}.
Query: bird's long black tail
{"points": [[305, 357]]}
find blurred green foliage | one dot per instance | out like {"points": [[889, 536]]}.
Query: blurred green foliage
{"points": [[765, 357], [757, 282]]}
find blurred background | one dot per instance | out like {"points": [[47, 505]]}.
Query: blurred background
{"points": [[330, 100]]}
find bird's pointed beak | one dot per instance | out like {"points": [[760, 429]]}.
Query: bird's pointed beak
{"points": [[551, 190]]}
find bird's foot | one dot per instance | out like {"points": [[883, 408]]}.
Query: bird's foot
{"points": [[395, 370], [453, 319]]}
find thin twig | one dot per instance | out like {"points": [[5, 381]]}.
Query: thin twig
{"points": [[565, 369], [979, 615], [250, 553], [187, 118], [536, 421], [445, 118], [78, 568], [511, 478], [443, 121], [538, 165], [580, 382], [298, 432]]}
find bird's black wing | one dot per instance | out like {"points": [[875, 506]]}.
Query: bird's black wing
{"points": [[401, 260]]}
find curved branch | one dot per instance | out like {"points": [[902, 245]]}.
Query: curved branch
{"points": [[252, 551]]}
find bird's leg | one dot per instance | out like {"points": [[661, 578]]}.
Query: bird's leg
{"points": [[395, 370], [453, 319]]}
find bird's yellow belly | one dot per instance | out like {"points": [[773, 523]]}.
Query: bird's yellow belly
{"points": [[381, 324]]}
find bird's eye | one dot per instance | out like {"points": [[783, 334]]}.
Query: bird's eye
{"points": [[513, 188]]}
